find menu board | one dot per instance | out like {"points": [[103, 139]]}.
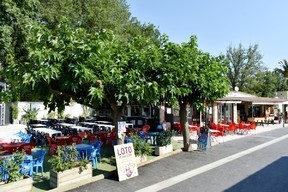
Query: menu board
{"points": [[125, 161], [121, 128]]}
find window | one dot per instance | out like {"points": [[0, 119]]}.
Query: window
{"points": [[135, 110]]}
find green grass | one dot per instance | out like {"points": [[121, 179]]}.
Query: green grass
{"points": [[106, 166]]}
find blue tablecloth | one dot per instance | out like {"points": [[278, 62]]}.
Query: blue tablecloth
{"points": [[84, 150]]}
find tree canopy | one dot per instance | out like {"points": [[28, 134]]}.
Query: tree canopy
{"points": [[90, 68], [95, 16], [243, 65], [189, 76], [14, 16]]}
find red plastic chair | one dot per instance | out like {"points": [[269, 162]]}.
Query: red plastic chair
{"points": [[242, 129], [91, 137], [146, 128], [26, 148], [177, 127], [75, 139], [82, 135], [213, 126], [231, 128], [221, 130], [52, 145]]}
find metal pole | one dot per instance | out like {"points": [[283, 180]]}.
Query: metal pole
{"points": [[283, 114]]}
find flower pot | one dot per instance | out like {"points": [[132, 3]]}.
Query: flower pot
{"points": [[21, 185], [141, 159], [161, 150], [59, 179]]}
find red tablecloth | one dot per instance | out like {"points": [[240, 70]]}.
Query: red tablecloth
{"points": [[11, 147]]}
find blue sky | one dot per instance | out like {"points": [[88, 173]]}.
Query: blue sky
{"points": [[221, 23]]}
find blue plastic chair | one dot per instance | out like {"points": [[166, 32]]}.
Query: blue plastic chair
{"points": [[142, 134], [128, 140], [97, 145], [159, 128], [27, 166], [93, 157], [26, 138], [38, 158], [89, 153], [4, 168]]}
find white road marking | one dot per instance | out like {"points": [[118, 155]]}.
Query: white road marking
{"points": [[179, 178]]}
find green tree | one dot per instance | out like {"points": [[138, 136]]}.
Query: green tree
{"points": [[264, 84], [189, 76], [244, 64], [14, 16], [97, 15], [89, 68], [284, 68], [89, 14]]}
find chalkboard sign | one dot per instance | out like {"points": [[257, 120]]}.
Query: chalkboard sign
{"points": [[204, 142]]}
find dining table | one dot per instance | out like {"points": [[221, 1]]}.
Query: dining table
{"points": [[104, 122], [88, 123], [81, 128], [107, 126], [51, 132], [62, 140], [37, 125], [10, 148], [9, 138], [66, 124], [84, 150]]}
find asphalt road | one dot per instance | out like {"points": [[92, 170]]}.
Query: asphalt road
{"points": [[257, 163]]}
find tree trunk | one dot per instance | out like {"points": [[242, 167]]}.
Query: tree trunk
{"points": [[184, 124], [116, 116]]}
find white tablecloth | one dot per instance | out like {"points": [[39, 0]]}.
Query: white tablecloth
{"points": [[51, 132]]}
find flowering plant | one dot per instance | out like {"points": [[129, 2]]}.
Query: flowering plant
{"points": [[67, 157]]}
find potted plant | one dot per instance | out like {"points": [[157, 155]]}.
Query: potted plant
{"points": [[12, 179], [30, 113], [141, 149], [66, 167], [164, 142], [14, 113]]}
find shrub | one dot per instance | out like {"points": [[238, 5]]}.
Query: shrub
{"points": [[141, 147], [164, 138], [67, 157]]}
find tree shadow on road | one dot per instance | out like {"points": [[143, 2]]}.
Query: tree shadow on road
{"points": [[271, 178]]}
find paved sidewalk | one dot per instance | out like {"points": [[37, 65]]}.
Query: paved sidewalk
{"points": [[166, 170], [14, 128], [229, 137]]}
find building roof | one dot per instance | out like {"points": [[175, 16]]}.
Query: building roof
{"points": [[239, 97]]}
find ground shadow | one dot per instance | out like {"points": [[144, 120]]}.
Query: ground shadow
{"points": [[271, 178]]}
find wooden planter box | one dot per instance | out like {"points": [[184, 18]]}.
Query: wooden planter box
{"points": [[141, 159], [22, 185], [161, 150], [59, 179]]}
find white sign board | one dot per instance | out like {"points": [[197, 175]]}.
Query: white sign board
{"points": [[121, 128], [125, 161]]}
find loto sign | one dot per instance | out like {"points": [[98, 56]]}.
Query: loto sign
{"points": [[125, 161]]}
